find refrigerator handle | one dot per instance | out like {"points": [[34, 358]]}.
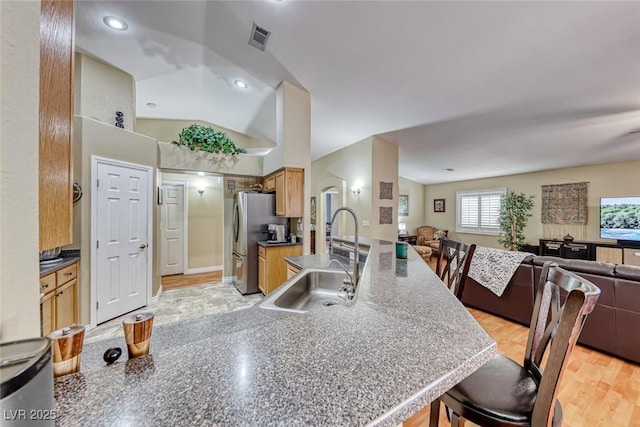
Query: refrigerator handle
{"points": [[235, 222]]}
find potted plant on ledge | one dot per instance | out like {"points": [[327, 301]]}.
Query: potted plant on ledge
{"points": [[205, 139], [514, 214]]}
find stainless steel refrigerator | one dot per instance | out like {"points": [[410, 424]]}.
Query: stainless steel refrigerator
{"points": [[252, 212]]}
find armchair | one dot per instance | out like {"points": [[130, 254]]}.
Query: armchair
{"points": [[429, 241]]}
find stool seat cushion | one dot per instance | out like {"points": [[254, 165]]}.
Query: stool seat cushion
{"points": [[502, 390]]}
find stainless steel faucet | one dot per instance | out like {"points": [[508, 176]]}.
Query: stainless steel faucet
{"points": [[348, 285], [356, 264]]}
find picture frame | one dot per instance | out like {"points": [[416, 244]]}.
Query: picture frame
{"points": [[438, 205], [313, 210], [403, 205]]}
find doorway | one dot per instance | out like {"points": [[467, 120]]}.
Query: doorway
{"points": [[172, 227], [122, 236]]}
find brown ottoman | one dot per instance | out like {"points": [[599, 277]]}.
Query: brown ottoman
{"points": [[424, 251]]}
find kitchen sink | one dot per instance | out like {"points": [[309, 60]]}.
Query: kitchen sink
{"points": [[310, 290]]}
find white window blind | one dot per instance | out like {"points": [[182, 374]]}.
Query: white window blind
{"points": [[478, 211]]}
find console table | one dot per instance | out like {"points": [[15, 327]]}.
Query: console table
{"points": [[412, 239], [591, 251]]}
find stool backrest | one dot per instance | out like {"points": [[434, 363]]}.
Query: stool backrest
{"points": [[454, 260], [563, 301]]}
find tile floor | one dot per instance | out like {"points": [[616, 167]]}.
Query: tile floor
{"points": [[182, 304]]}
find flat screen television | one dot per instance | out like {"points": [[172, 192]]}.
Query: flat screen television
{"points": [[620, 218]]}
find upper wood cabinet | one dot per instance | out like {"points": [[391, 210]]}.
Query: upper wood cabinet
{"points": [[288, 184], [56, 116]]}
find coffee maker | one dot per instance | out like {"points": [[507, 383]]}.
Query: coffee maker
{"points": [[276, 232]]}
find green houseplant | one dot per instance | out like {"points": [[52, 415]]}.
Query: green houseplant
{"points": [[205, 138], [514, 213]]}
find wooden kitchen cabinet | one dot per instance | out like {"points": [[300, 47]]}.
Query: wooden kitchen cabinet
{"points": [[292, 271], [56, 121], [288, 184], [59, 305], [272, 267]]}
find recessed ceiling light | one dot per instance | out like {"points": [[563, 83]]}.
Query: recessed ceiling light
{"points": [[241, 84], [115, 23], [201, 173], [151, 104]]}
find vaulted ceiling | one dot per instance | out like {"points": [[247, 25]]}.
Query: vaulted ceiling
{"points": [[484, 88]]}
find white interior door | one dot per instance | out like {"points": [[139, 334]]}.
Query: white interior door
{"points": [[122, 231], [172, 229]]}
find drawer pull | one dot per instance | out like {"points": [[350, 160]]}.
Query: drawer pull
{"points": [[70, 273]]}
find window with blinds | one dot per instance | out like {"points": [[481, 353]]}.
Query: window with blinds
{"points": [[478, 211]]}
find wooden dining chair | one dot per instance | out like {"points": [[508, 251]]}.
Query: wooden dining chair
{"points": [[502, 393], [454, 260]]}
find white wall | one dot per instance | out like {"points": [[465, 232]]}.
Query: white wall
{"points": [[19, 118]]}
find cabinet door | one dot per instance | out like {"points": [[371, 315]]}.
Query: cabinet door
{"points": [[56, 115], [262, 274], [291, 271], [66, 304], [48, 313], [281, 195], [632, 256], [294, 193], [605, 254]]}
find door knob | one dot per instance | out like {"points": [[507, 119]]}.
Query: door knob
{"points": [[142, 246]]}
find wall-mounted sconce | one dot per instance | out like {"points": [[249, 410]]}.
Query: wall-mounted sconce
{"points": [[201, 189], [356, 190]]}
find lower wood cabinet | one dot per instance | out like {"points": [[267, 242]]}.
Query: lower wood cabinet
{"points": [[292, 271], [272, 267], [607, 254], [59, 305]]}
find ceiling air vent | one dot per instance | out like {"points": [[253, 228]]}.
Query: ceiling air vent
{"points": [[259, 36]]}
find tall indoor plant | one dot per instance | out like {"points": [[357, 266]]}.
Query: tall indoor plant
{"points": [[515, 211]]}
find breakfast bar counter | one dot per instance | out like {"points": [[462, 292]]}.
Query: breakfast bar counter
{"points": [[404, 341]]}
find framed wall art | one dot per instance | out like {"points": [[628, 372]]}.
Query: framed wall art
{"points": [[438, 205], [403, 205]]}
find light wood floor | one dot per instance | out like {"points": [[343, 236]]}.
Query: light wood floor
{"points": [[596, 389], [177, 281]]}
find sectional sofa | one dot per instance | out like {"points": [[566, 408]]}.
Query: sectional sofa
{"points": [[613, 325]]}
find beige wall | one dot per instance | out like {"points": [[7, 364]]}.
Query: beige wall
{"points": [[166, 130], [293, 135], [205, 220], [93, 138], [101, 90], [181, 158], [384, 168], [415, 191], [343, 169], [19, 83], [615, 179]]}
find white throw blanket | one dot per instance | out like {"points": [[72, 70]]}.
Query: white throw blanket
{"points": [[493, 268]]}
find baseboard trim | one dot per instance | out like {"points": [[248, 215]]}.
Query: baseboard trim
{"points": [[157, 296], [203, 269]]}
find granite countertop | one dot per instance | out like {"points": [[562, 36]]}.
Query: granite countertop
{"points": [[267, 244], [403, 343], [68, 257]]}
